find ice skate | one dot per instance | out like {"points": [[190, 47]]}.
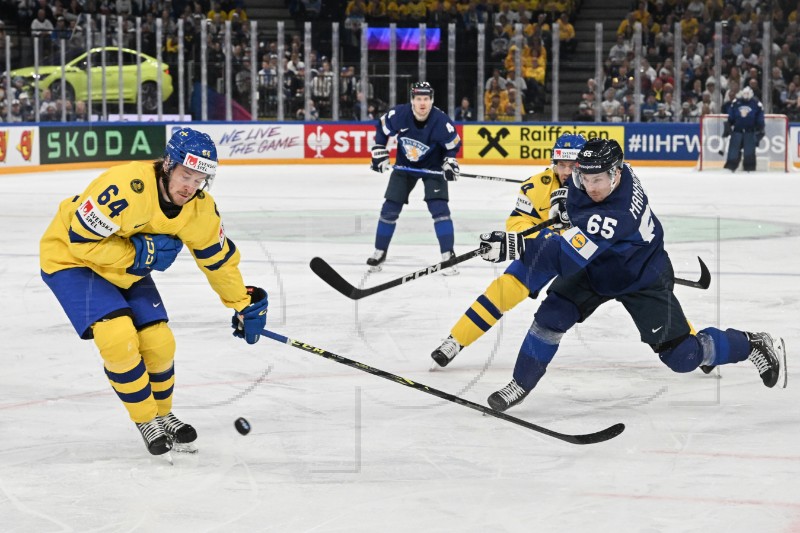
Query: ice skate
{"points": [[508, 396], [453, 270], [154, 437], [446, 352], [769, 357], [180, 434], [377, 259], [707, 369]]}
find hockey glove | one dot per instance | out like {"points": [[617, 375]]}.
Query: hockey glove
{"points": [[499, 246], [759, 136], [450, 169], [380, 159], [558, 208], [155, 251], [248, 323], [726, 132]]}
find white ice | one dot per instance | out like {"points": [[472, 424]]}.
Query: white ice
{"points": [[336, 449]]}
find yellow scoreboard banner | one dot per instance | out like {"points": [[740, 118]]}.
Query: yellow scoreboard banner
{"points": [[526, 144]]}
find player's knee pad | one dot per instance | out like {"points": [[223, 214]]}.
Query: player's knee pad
{"points": [[439, 209], [557, 313], [157, 346], [683, 354], [390, 211], [118, 343]]}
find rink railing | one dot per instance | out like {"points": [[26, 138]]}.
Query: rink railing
{"points": [[74, 145]]}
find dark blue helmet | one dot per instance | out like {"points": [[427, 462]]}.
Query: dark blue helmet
{"points": [[597, 156], [421, 88], [192, 149], [567, 147]]}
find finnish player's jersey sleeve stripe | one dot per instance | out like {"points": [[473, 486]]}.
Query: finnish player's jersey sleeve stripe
{"points": [[211, 251], [231, 251], [489, 306], [78, 239], [88, 228]]}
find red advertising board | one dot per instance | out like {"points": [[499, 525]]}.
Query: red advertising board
{"points": [[344, 140]]}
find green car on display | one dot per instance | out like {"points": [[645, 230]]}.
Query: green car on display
{"points": [[77, 84]]}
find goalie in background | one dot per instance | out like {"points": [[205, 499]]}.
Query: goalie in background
{"points": [[745, 126]]}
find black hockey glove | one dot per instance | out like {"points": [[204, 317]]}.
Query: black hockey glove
{"points": [[726, 132], [499, 246], [450, 168], [380, 159], [248, 323], [558, 208], [759, 136]]}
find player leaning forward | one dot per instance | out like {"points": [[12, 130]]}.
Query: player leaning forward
{"points": [[426, 140], [615, 251], [97, 257]]}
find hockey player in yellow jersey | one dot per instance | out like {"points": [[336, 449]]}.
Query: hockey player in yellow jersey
{"points": [[539, 199], [97, 256]]}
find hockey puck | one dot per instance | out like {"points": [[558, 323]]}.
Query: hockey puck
{"points": [[242, 426]]}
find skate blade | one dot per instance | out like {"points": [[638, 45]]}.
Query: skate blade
{"points": [[449, 272], [184, 447], [435, 367], [783, 375], [168, 457], [376, 268]]}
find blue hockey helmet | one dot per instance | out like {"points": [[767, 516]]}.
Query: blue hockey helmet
{"points": [[421, 88], [596, 157], [567, 147], [192, 149]]}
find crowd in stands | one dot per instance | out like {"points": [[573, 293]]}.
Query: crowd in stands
{"points": [[507, 93], [742, 64]]}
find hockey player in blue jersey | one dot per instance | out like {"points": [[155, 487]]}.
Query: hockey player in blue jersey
{"points": [[426, 140], [746, 128], [615, 251]]}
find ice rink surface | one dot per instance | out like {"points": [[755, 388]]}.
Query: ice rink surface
{"points": [[335, 449]]}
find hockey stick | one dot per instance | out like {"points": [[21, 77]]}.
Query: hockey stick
{"points": [[326, 272], [703, 283], [460, 175], [589, 438]]}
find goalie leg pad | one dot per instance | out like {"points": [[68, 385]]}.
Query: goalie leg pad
{"points": [[118, 343], [157, 346]]}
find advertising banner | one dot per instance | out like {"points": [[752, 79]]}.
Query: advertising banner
{"points": [[662, 141], [520, 144], [347, 140], [251, 140], [74, 144], [19, 146]]}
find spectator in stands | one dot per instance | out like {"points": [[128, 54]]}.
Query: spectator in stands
{"points": [[16, 113], [322, 88], [500, 41], [584, 113], [348, 90], [217, 11], [612, 109], [618, 52], [511, 105], [465, 113], [566, 34], [649, 107], [81, 112], [495, 90], [512, 80], [625, 28], [41, 25], [501, 81], [663, 114], [26, 109]]}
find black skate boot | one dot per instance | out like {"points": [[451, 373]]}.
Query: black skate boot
{"points": [[377, 259], [707, 369], [769, 357], [446, 352], [154, 437], [180, 434], [508, 396]]}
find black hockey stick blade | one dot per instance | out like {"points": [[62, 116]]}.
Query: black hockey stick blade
{"points": [[589, 438], [321, 268], [703, 283]]}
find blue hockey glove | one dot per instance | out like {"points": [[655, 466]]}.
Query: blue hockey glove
{"points": [[155, 251], [499, 246], [450, 168], [380, 159], [248, 323], [558, 208]]}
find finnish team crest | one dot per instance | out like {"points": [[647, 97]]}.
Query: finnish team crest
{"points": [[413, 149]]}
